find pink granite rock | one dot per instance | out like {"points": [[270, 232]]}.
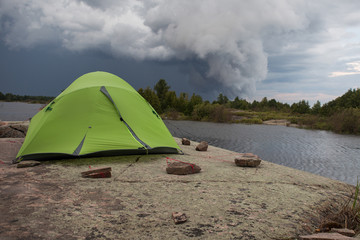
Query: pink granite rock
{"points": [[182, 168], [247, 160]]}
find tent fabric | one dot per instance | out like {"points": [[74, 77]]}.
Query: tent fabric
{"points": [[99, 114]]}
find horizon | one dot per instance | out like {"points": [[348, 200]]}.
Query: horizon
{"points": [[211, 101]]}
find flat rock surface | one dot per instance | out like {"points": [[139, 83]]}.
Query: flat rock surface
{"points": [[53, 201], [9, 148]]}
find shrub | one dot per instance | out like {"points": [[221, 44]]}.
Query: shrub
{"points": [[219, 113], [172, 114], [251, 121], [346, 121], [201, 111], [211, 112]]}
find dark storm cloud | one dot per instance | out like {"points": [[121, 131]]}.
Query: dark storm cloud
{"points": [[220, 45]]}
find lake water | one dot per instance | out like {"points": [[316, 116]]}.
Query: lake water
{"points": [[18, 111], [320, 152]]}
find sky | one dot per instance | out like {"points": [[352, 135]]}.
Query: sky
{"points": [[288, 50]]}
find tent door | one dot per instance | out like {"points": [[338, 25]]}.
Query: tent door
{"points": [[106, 93]]}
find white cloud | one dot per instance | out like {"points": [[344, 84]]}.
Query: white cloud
{"points": [[298, 96], [352, 69]]}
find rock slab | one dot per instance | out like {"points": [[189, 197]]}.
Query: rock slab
{"points": [[185, 141], [247, 160], [179, 217], [29, 163], [344, 231], [325, 236], [202, 146], [182, 168]]}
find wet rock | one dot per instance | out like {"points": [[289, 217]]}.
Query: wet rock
{"points": [[325, 236], [247, 160], [179, 217], [202, 146], [182, 168], [185, 141], [344, 231], [29, 163], [13, 131]]}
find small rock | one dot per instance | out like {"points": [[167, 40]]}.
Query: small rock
{"points": [[247, 160], [325, 236], [344, 231], [29, 163], [185, 141], [202, 146], [97, 173], [179, 217], [182, 168]]}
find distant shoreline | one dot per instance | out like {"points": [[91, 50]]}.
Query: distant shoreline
{"points": [[28, 102], [235, 116]]}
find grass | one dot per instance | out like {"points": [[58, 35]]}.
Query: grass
{"points": [[356, 195], [348, 216], [264, 116]]}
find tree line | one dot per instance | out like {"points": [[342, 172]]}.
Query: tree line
{"points": [[340, 115], [163, 100], [9, 97]]}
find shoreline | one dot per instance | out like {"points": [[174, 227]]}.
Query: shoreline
{"points": [[223, 201]]}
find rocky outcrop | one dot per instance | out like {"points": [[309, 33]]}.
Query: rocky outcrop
{"points": [[202, 146], [182, 168], [247, 160], [273, 202], [13, 130]]}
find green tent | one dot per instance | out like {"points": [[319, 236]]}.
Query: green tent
{"points": [[99, 114]]}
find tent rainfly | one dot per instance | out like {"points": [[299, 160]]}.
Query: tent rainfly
{"points": [[99, 114]]}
